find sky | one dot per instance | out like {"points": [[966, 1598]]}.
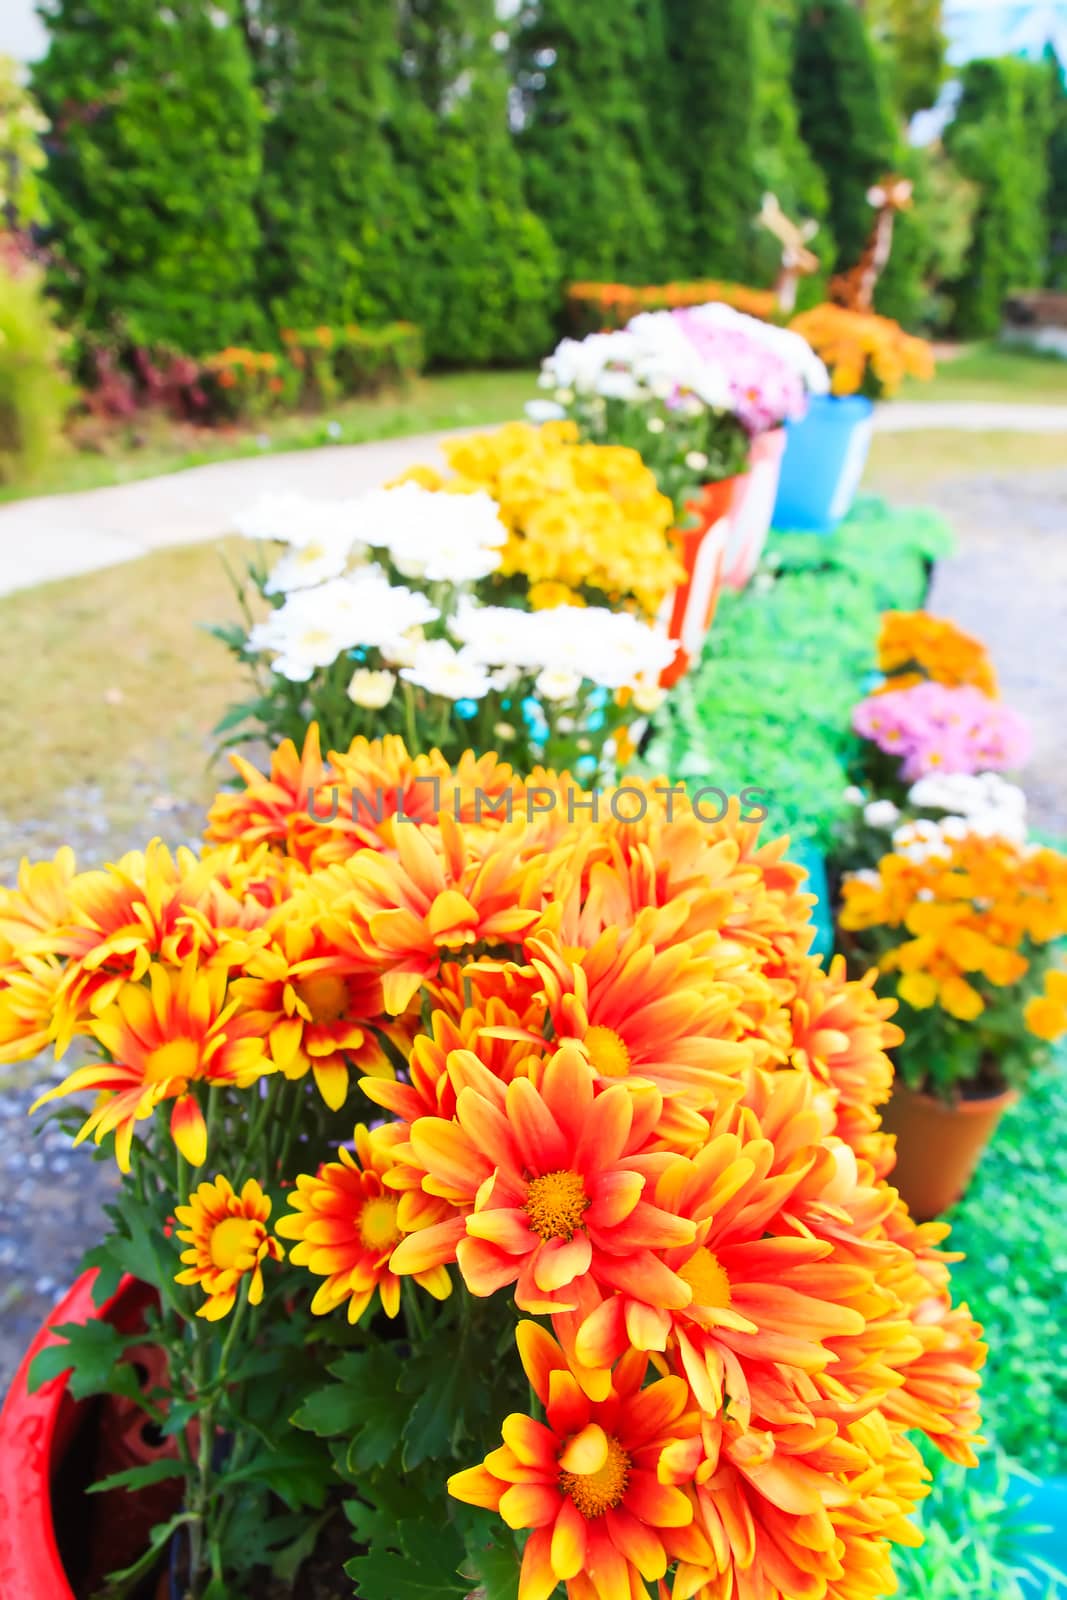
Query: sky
{"points": [[21, 34]]}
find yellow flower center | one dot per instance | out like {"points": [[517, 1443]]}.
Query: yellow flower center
{"points": [[325, 996], [377, 1224], [707, 1278], [556, 1203], [607, 1052], [178, 1058], [237, 1236], [596, 1492]]}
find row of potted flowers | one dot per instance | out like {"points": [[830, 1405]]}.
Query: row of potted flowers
{"points": [[943, 892], [616, 1187]]}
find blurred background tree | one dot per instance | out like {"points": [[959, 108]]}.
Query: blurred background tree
{"points": [[911, 37], [583, 133], [22, 156], [999, 140], [154, 164], [334, 208], [846, 117], [712, 51]]}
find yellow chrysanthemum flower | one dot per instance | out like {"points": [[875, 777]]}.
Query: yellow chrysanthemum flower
{"points": [[228, 1240]]}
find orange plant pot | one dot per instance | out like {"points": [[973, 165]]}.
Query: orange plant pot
{"points": [[702, 550], [938, 1145]]}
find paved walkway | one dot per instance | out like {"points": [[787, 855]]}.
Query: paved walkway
{"points": [[62, 535]]}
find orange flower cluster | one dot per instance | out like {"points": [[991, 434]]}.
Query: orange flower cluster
{"points": [[963, 915], [865, 353], [914, 646], [596, 306], [630, 1101]]}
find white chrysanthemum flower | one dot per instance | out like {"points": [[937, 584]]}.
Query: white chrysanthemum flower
{"points": [[558, 684], [696, 460], [853, 796], [309, 564], [371, 690], [498, 636], [443, 538], [296, 519], [453, 674], [314, 626], [655, 424], [881, 814], [539, 411]]}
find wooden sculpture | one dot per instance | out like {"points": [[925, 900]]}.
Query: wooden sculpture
{"points": [[854, 289], [797, 260]]}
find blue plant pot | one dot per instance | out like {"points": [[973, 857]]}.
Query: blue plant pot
{"points": [[811, 858], [824, 458]]}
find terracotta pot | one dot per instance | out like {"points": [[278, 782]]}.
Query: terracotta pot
{"points": [[753, 509], [939, 1145], [38, 1435], [689, 612]]}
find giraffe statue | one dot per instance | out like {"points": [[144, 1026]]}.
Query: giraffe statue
{"points": [[854, 289], [797, 260]]}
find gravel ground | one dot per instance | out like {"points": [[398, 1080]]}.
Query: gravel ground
{"points": [[1008, 583]]}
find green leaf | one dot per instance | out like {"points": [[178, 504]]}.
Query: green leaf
{"points": [[139, 1477], [449, 1394], [374, 1377], [119, 1583], [287, 1562], [92, 1353], [339, 1408], [404, 1559], [493, 1560]]}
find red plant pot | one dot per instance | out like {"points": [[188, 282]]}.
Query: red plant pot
{"points": [[753, 509], [702, 550], [35, 1433]]}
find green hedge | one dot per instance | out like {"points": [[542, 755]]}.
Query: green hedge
{"points": [[770, 703]]}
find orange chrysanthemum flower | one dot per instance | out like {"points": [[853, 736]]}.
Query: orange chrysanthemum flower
{"points": [[347, 1225], [228, 1241], [162, 1037], [313, 1016], [586, 1481], [913, 646], [550, 1179], [441, 894]]}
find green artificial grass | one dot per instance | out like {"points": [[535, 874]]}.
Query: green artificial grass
{"points": [[770, 704], [1013, 1227]]}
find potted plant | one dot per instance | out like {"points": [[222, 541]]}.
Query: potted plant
{"points": [[772, 375], [582, 1203], [460, 620], [868, 357], [960, 926], [648, 388]]}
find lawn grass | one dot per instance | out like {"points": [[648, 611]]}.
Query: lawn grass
{"points": [[996, 373], [901, 465], [155, 445], [109, 689]]}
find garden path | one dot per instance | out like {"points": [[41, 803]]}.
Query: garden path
{"points": [[60, 536]]}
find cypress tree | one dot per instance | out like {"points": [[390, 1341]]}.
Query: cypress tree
{"points": [[333, 205], [713, 46], [999, 139], [154, 160], [845, 117], [478, 272], [584, 136], [784, 165]]}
